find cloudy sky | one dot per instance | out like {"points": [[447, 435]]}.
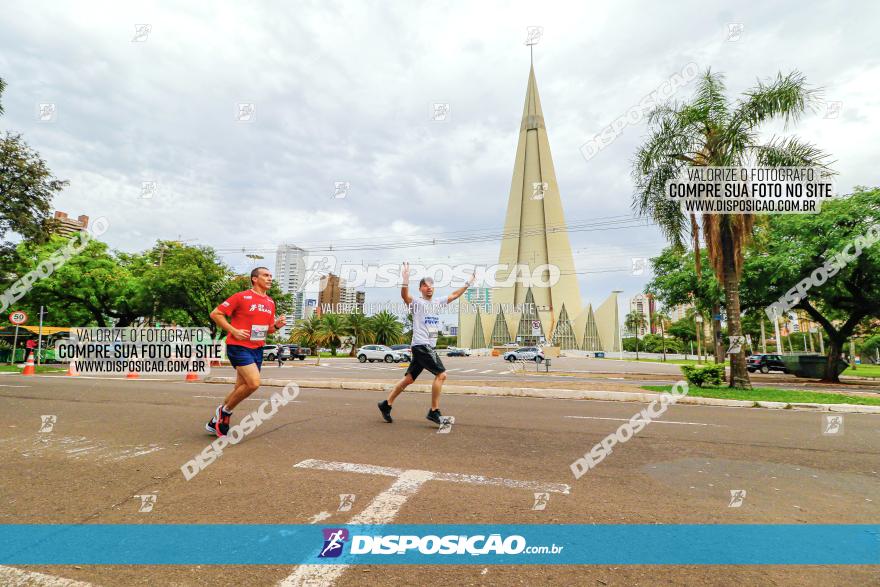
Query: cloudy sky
{"points": [[344, 91]]}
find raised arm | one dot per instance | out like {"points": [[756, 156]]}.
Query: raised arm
{"points": [[457, 293], [404, 288]]}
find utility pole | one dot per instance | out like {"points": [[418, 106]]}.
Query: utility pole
{"points": [[779, 348], [763, 338], [40, 339]]}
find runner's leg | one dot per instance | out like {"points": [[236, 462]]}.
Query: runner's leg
{"points": [[247, 382], [436, 388], [398, 389]]}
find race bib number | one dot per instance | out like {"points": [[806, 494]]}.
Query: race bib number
{"points": [[259, 332], [432, 326]]}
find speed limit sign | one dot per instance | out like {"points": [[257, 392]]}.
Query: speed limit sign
{"points": [[18, 318]]}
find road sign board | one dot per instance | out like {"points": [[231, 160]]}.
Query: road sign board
{"points": [[18, 318]]}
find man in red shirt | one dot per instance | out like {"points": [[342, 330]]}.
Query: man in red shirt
{"points": [[29, 347], [252, 317]]}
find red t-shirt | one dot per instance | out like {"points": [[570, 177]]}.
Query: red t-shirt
{"points": [[245, 310]]}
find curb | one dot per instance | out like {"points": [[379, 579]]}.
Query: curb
{"points": [[622, 396]]}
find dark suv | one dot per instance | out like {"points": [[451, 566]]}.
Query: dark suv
{"points": [[765, 363]]}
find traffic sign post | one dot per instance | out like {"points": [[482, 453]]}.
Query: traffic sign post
{"points": [[17, 318]]}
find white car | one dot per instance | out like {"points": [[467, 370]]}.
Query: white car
{"points": [[379, 352], [526, 353]]}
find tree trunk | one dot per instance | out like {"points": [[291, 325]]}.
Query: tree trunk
{"points": [[834, 349], [739, 376], [717, 343], [663, 339]]}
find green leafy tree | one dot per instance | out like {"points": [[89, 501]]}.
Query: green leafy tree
{"points": [[386, 328], [92, 288], [710, 131], [793, 247], [27, 187]]}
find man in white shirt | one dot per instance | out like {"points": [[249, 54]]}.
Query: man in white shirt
{"points": [[426, 325]]}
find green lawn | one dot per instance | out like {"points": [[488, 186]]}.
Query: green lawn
{"points": [[773, 395], [39, 368], [863, 371]]}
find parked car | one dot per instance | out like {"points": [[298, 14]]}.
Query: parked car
{"points": [[296, 352], [403, 349], [765, 364], [456, 352], [379, 352], [270, 352], [526, 353]]}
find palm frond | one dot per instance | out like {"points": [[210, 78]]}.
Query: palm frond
{"points": [[786, 96], [791, 152]]}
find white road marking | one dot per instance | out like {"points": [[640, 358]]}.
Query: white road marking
{"points": [[655, 421], [468, 370], [488, 371], [385, 506], [12, 577], [319, 517], [3, 385]]}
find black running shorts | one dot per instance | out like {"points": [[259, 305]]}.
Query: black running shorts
{"points": [[424, 357]]}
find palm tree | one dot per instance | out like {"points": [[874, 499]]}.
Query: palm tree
{"points": [[661, 319], [333, 327], [710, 131], [633, 322], [309, 332], [387, 329], [359, 328]]}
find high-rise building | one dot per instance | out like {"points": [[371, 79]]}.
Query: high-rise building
{"points": [[66, 226], [290, 269], [336, 297], [536, 237], [643, 303]]}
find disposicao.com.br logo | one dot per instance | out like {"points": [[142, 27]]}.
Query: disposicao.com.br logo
{"points": [[402, 544]]}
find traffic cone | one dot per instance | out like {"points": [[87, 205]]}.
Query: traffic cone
{"points": [[191, 376], [132, 375], [71, 370], [29, 368]]}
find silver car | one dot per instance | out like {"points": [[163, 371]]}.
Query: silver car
{"points": [[526, 353], [379, 352]]}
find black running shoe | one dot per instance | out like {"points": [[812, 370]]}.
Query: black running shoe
{"points": [[385, 408], [435, 416], [219, 424]]}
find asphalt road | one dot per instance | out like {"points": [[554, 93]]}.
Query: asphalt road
{"points": [[596, 371], [114, 440]]}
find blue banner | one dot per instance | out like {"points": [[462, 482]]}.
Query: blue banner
{"points": [[484, 544]]}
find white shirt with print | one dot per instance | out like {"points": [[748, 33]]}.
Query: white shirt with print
{"points": [[426, 320]]}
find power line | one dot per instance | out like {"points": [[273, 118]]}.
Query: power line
{"points": [[620, 224]]}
